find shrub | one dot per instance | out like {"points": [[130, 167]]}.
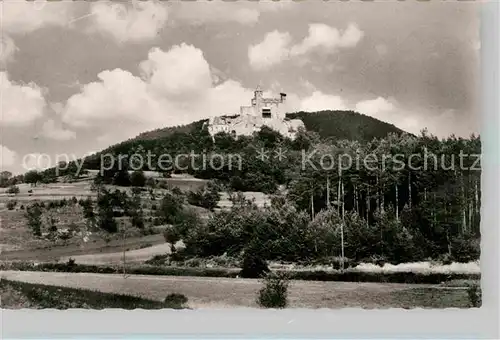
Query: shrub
{"points": [[32, 177], [138, 179], [121, 178], [171, 235], [253, 266], [151, 182], [137, 221], [11, 205], [205, 198], [13, 190], [177, 192], [88, 210], [106, 213], [465, 248], [474, 294], [52, 222], [175, 300], [274, 294], [187, 220], [170, 208], [70, 264], [274, 233], [34, 216]]}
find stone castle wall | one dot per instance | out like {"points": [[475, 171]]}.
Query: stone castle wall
{"points": [[263, 112]]}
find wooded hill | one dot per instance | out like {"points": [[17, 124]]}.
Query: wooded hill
{"points": [[401, 208]]}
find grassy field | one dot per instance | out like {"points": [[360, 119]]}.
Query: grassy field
{"points": [[17, 295], [16, 239], [131, 257], [259, 198], [18, 242], [227, 293], [96, 247], [49, 191]]}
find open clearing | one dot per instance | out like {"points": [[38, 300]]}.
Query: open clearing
{"points": [[97, 249], [18, 243], [223, 292], [49, 191], [131, 256]]}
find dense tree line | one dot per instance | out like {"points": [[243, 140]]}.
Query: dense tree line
{"points": [[419, 199], [348, 125]]}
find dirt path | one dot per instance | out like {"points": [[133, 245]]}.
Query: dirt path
{"points": [[224, 292], [132, 256]]}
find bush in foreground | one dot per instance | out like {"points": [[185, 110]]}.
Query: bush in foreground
{"points": [[274, 294], [176, 299], [474, 294], [13, 190], [11, 205]]}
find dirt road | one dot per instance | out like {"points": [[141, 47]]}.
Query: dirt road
{"points": [[224, 292]]}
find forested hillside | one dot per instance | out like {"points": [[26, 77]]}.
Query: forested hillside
{"points": [[414, 199], [335, 125], [344, 125]]}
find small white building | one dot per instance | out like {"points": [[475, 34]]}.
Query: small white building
{"points": [[262, 112]]}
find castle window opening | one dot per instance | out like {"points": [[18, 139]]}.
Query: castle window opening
{"points": [[266, 113]]}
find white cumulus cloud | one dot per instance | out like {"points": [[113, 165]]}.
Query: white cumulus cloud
{"points": [[180, 72], [374, 107], [272, 50], [21, 103], [244, 13], [276, 46], [7, 49], [174, 87], [327, 38], [319, 101], [53, 131], [136, 21], [116, 95], [411, 120], [385, 110], [28, 16]]}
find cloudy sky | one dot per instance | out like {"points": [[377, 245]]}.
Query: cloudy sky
{"points": [[77, 76]]}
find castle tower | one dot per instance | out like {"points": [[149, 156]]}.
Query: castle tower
{"points": [[257, 102], [258, 92], [270, 112]]}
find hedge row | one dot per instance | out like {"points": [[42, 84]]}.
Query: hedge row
{"points": [[313, 275]]}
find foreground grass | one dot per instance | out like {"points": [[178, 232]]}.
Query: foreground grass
{"points": [[16, 295], [307, 275], [206, 292]]}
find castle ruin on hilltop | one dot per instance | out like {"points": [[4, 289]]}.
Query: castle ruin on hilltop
{"points": [[268, 112]]}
